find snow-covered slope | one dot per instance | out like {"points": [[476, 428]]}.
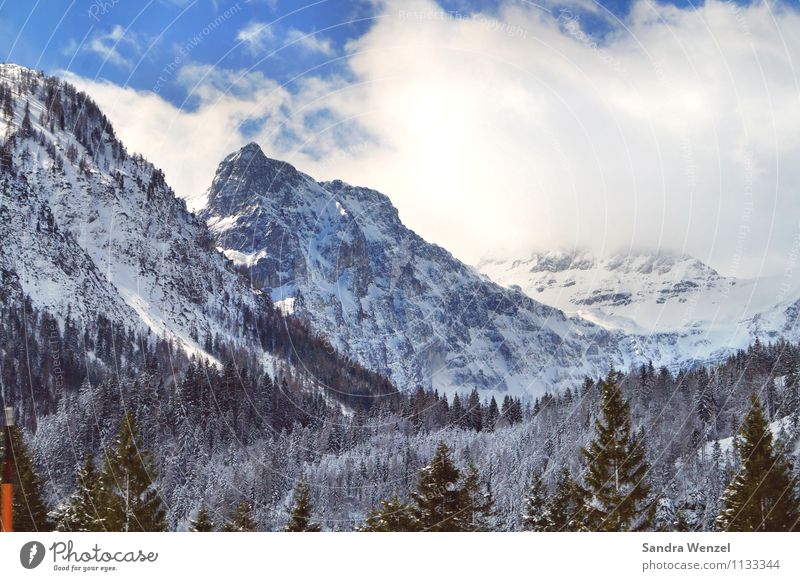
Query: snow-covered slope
{"points": [[339, 256], [676, 307], [90, 232], [90, 229]]}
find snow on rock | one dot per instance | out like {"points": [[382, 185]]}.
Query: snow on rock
{"points": [[386, 297], [88, 228], [675, 309]]}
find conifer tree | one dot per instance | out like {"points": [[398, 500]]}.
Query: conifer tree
{"points": [[681, 524], [439, 502], [82, 513], [492, 415], [27, 126], [479, 503], [202, 523], [393, 516], [616, 470], [792, 394], [536, 512], [475, 421], [242, 521], [457, 416], [762, 496], [514, 412], [565, 508], [30, 512], [300, 513], [704, 401], [128, 494]]}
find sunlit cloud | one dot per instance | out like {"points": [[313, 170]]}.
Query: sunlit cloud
{"points": [[520, 130]]}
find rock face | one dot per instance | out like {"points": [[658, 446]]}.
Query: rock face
{"points": [[339, 256]]}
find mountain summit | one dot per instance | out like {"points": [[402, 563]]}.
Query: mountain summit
{"points": [[339, 257]]}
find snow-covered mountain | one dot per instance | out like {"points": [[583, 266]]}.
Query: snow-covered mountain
{"points": [[339, 257], [676, 307], [88, 228], [90, 231]]}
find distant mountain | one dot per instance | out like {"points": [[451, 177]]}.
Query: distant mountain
{"points": [[339, 257], [676, 307]]}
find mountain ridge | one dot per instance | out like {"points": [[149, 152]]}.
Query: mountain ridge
{"points": [[673, 296], [341, 258]]}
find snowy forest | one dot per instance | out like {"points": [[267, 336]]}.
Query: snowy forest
{"points": [[165, 442]]}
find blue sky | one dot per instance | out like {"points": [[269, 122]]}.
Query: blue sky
{"points": [[644, 125], [83, 36], [131, 43]]}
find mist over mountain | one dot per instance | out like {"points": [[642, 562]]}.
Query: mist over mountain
{"points": [[680, 309]]}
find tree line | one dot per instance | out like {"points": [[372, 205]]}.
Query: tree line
{"points": [[120, 491]]}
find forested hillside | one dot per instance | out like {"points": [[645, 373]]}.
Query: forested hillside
{"points": [[234, 440]]}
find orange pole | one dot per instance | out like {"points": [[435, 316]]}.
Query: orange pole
{"points": [[7, 486], [7, 492]]}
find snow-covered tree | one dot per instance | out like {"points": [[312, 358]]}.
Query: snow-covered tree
{"points": [[763, 495], [616, 467]]}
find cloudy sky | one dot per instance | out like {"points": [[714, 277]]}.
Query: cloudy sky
{"points": [[497, 127]]}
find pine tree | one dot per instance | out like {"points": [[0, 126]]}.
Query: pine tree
{"points": [[664, 519], [128, 494], [479, 508], [475, 421], [646, 381], [393, 516], [616, 470], [82, 513], [536, 512], [242, 521], [457, 415], [440, 504], [762, 496], [202, 523], [514, 415], [681, 524], [27, 126], [565, 508], [8, 105], [300, 513], [30, 512], [703, 400], [792, 393], [492, 415]]}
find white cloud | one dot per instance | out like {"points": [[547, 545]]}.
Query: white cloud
{"points": [[256, 37], [309, 41], [109, 45], [679, 130], [189, 144]]}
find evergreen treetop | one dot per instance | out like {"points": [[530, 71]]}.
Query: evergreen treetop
{"points": [[127, 491], [763, 495], [616, 467], [300, 513]]}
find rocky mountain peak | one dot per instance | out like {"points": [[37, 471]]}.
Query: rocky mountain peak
{"points": [[248, 174], [339, 257]]}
